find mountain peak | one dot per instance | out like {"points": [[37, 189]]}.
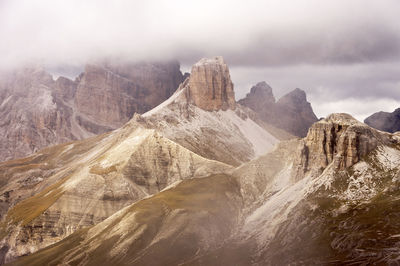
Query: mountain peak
{"points": [[210, 86], [217, 60], [295, 96], [340, 139], [262, 89], [385, 121], [342, 118]]}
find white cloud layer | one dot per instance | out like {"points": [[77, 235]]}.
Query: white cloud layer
{"points": [[335, 50]]}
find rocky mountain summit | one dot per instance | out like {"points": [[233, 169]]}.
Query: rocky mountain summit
{"points": [[30, 114], [389, 122], [203, 117], [210, 86], [329, 198], [37, 111], [292, 112]]}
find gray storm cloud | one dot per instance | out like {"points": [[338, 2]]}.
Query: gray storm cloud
{"points": [[335, 50]]}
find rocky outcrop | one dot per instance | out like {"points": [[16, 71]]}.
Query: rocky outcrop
{"points": [[65, 89], [210, 86], [292, 112], [31, 116], [37, 111], [389, 122], [260, 97], [111, 93], [340, 139], [203, 117], [157, 80]]}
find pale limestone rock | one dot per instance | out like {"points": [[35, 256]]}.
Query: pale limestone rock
{"points": [[340, 139], [210, 86]]}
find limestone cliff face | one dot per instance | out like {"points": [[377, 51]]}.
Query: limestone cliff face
{"points": [[112, 93], [210, 86], [31, 117], [339, 139], [292, 112], [389, 122], [37, 111], [157, 80]]}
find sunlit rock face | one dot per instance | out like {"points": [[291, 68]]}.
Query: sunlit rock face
{"points": [[210, 86], [340, 139]]}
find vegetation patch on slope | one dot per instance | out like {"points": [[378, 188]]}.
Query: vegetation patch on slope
{"points": [[30, 208], [196, 210]]}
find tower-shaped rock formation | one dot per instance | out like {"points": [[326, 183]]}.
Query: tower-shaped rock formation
{"points": [[210, 86]]}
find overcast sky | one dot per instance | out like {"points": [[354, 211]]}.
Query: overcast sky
{"points": [[344, 53]]}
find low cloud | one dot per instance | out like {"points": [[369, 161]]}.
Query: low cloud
{"points": [[255, 33], [334, 50]]}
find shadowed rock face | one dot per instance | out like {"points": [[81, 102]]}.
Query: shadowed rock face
{"points": [[36, 111], [210, 86], [389, 122], [112, 93], [292, 112]]}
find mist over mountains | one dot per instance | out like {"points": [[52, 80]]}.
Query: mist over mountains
{"points": [[199, 133]]}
